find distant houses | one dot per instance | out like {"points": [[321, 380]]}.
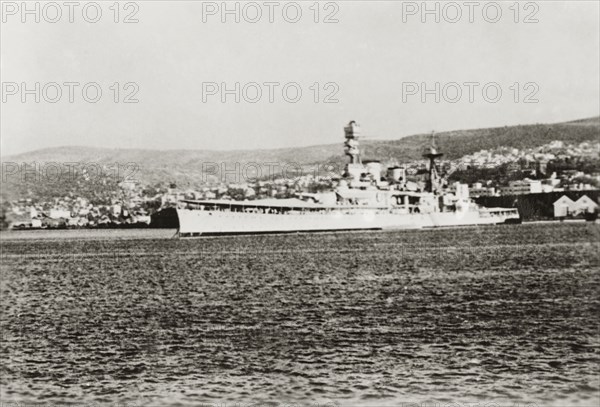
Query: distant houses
{"points": [[522, 187], [565, 206]]}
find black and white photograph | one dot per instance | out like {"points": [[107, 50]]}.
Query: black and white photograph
{"points": [[312, 203]]}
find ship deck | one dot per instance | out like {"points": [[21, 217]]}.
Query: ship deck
{"points": [[289, 204]]}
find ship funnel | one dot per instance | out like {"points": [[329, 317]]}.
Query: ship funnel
{"points": [[396, 174]]}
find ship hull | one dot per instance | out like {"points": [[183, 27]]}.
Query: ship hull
{"points": [[204, 222]]}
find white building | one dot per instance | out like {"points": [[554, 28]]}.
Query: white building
{"points": [[563, 207], [116, 209], [59, 213], [478, 189], [526, 186], [585, 204]]}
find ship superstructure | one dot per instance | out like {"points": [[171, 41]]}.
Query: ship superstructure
{"points": [[366, 198]]}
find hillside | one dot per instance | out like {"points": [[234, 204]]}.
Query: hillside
{"points": [[185, 167]]}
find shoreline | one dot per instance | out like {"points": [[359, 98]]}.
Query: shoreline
{"points": [[171, 233]]}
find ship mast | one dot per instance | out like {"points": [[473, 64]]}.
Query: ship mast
{"points": [[431, 153]]}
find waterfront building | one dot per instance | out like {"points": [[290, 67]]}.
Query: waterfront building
{"points": [[563, 207], [525, 186]]}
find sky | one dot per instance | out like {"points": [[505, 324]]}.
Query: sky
{"points": [[381, 63]]}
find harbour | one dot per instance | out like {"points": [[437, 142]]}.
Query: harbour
{"points": [[305, 318], [310, 204]]}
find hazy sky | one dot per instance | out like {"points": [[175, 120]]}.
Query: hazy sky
{"points": [[374, 51]]}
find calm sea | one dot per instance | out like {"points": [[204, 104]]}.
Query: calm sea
{"points": [[505, 315]]}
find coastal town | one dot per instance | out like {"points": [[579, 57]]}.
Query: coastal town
{"points": [[555, 168]]}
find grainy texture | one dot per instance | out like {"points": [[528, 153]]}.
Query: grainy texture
{"points": [[506, 314]]}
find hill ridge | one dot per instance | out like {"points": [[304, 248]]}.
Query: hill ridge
{"points": [[186, 167], [592, 122]]}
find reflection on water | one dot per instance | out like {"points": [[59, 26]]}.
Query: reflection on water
{"points": [[476, 315]]}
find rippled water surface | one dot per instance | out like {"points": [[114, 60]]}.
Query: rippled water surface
{"points": [[503, 314]]}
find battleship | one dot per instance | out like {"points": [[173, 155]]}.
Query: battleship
{"points": [[367, 197]]}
